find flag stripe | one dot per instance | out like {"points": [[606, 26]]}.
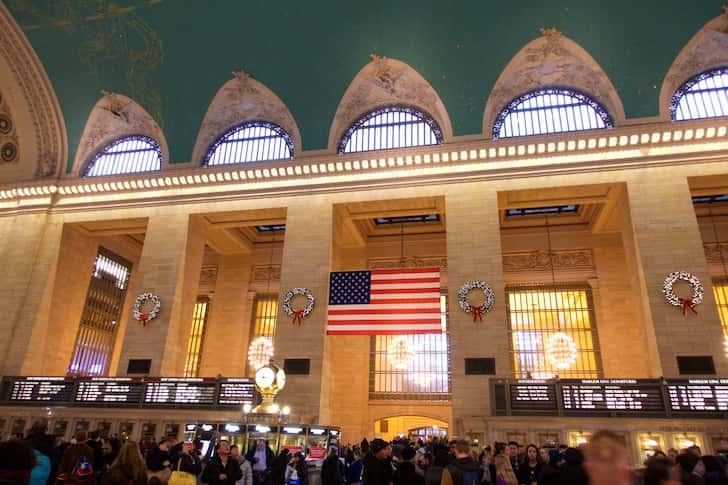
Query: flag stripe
{"points": [[414, 276], [405, 270], [402, 329], [402, 291], [403, 286], [400, 281], [400, 312], [404, 301], [339, 320]]}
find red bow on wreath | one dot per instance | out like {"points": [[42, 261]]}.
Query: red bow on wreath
{"points": [[477, 312], [687, 304], [297, 317], [144, 318]]}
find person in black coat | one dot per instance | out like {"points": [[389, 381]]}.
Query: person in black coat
{"points": [[378, 464], [331, 469], [222, 469], [406, 473], [278, 470], [261, 457], [185, 459], [158, 457]]}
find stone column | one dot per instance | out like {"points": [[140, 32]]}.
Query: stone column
{"points": [[662, 232], [169, 267], [225, 345], [306, 263], [29, 260], [474, 253]]}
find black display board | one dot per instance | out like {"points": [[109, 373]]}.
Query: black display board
{"points": [[109, 391], [38, 390], [533, 397], [236, 392], [193, 392], [590, 396], [698, 395]]}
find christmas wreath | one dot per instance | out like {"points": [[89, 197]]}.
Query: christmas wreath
{"points": [[143, 316], [479, 310], [298, 315], [678, 301]]}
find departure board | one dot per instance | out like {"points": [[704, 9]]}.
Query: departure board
{"points": [[611, 396], [236, 392], [39, 389], [180, 392], [698, 395], [110, 390], [533, 396]]}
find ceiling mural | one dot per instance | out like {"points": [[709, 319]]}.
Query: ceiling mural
{"points": [[172, 56]]}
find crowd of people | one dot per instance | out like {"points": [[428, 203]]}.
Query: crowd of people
{"points": [[93, 460]]}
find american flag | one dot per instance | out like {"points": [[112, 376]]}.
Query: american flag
{"points": [[384, 302]]}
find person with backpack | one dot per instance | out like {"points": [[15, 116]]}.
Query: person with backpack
{"points": [[77, 462], [464, 469]]}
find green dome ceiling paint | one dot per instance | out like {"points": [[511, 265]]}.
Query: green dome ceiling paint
{"points": [[172, 56]]}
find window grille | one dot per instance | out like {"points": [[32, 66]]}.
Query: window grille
{"points": [[720, 288], [132, 154], [264, 317], [427, 377], [101, 313], [703, 96], [537, 313], [252, 141], [391, 127], [555, 209], [197, 337], [547, 111]]}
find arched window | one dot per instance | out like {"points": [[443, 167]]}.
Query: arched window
{"points": [[131, 154], [703, 96], [390, 127], [547, 111], [252, 141]]}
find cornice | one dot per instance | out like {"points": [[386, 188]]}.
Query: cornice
{"points": [[630, 147]]}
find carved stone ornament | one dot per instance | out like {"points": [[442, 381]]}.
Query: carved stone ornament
{"points": [[383, 82], [8, 134], [115, 116], [551, 60], [242, 99], [540, 261], [39, 101], [411, 262], [208, 276], [265, 273], [707, 49]]}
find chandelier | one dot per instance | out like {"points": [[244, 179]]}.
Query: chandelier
{"points": [[260, 352], [400, 353], [560, 350]]}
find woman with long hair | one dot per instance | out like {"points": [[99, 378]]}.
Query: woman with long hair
{"points": [[504, 474], [128, 468], [529, 473]]}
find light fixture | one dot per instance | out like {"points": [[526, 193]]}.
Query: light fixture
{"points": [[651, 442], [561, 351], [687, 443], [400, 352], [286, 410], [260, 352], [581, 440], [247, 407]]}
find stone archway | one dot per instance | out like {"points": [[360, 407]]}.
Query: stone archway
{"points": [[390, 427]]}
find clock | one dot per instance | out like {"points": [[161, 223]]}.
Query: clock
{"points": [[265, 377], [281, 379]]}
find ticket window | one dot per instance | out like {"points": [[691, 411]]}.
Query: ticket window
{"points": [[3, 423], [318, 439], [18, 428], [171, 431], [335, 438], [293, 438], [686, 440], [720, 445], [149, 431], [126, 430], [234, 433], [519, 438], [104, 428], [206, 433], [477, 440], [263, 432], [548, 440], [60, 426], [649, 443], [81, 425], [577, 439], [190, 431]]}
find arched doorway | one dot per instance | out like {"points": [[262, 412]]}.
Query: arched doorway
{"points": [[409, 426]]}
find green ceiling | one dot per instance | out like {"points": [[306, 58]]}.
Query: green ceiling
{"points": [[173, 55]]}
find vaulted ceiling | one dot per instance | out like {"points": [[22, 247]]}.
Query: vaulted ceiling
{"points": [[172, 56]]}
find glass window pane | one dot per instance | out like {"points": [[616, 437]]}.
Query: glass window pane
{"points": [[132, 154], [547, 111], [252, 141], [391, 127], [703, 96], [197, 336]]}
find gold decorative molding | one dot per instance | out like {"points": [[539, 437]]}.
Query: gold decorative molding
{"points": [[9, 147], [208, 276], [539, 260], [551, 60], [411, 262], [40, 101], [265, 272]]}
